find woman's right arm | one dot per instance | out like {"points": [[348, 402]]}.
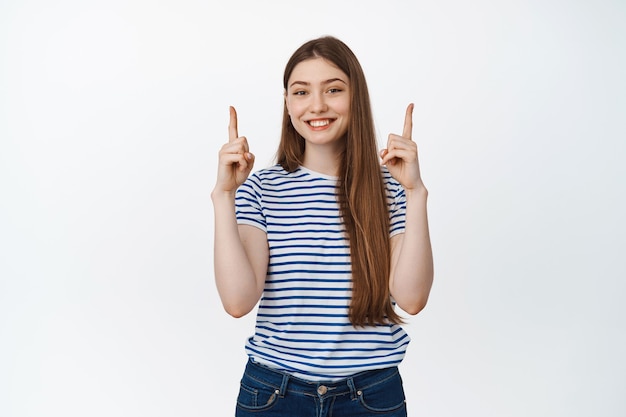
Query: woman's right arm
{"points": [[240, 259], [241, 252]]}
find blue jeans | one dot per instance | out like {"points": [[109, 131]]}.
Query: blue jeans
{"points": [[265, 392]]}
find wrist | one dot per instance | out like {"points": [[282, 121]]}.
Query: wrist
{"points": [[419, 192], [222, 196]]}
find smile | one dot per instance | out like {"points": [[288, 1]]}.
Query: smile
{"points": [[319, 122]]}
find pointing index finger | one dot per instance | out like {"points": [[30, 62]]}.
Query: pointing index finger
{"points": [[408, 122], [232, 126]]}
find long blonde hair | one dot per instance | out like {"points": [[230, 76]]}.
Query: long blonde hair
{"points": [[361, 192]]}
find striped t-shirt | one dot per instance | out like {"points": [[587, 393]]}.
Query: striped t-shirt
{"points": [[302, 324]]}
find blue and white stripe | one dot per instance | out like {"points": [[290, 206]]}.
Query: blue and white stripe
{"points": [[302, 321]]}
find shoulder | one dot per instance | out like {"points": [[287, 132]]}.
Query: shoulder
{"points": [[392, 186], [260, 184], [274, 170], [261, 177], [276, 173], [276, 177]]}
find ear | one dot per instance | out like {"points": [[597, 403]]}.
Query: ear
{"points": [[286, 105]]}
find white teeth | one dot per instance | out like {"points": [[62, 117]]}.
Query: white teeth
{"points": [[319, 123]]}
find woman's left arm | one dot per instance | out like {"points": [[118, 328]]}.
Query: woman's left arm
{"points": [[411, 274]]}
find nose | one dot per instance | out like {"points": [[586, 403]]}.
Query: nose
{"points": [[318, 103]]}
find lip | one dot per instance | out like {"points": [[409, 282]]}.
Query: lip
{"points": [[318, 124]]}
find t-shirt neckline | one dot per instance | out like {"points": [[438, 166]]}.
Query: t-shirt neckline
{"points": [[319, 174]]}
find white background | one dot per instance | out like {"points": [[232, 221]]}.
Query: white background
{"points": [[111, 117]]}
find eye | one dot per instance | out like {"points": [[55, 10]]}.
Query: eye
{"points": [[334, 90], [299, 93]]}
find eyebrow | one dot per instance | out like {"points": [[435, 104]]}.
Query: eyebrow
{"points": [[329, 81]]}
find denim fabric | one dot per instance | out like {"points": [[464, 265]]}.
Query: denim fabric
{"points": [[268, 393]]}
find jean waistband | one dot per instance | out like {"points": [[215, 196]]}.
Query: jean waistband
{"points": [[283, 381]]}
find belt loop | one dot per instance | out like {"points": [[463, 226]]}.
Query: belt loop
{"points": [[283, 385], [350, 382]]}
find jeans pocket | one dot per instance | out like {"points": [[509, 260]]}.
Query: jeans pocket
{"points": [[386, 396], [254, 395]]}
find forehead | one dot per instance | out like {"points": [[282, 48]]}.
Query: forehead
{"points": [[316, 70]]}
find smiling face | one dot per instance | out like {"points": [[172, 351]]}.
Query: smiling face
{"points": [[318, 102]]}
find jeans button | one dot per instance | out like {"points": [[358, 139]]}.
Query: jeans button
{"points": [[321, 390]]}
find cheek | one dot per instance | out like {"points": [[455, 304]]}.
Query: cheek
{"points": [[344, 107], [293, 109], [293, 118], [347, 104]]}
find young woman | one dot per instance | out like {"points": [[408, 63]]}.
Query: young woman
{"points": [[329, 240]]}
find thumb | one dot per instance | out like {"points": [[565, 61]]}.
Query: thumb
{"points": [[250, 161]]}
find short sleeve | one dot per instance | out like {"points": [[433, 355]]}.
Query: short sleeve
{"points": [[248, 203], [396, 202]]}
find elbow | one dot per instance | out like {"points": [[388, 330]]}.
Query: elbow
{"points": [[415, 307], [236, 314], [237, 305], [236, 311]]}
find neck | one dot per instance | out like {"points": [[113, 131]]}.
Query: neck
{"points": [[322, 159]]}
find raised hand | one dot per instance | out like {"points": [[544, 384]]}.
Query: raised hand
{"points": [[400, 156], [235, 159]]}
